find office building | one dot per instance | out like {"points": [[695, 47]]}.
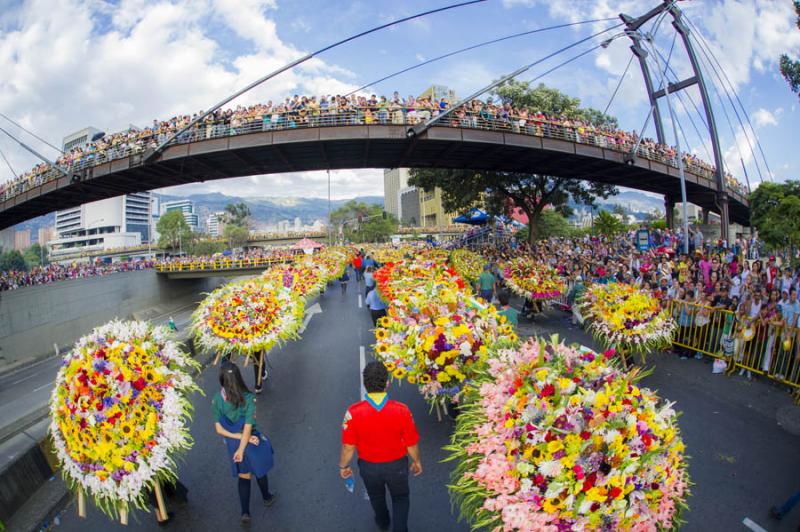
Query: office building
{"points": [[394, 180], [409, 214], [188, 209], [7, 239], [437, 92], [79, 138], [215, 224], [431, 210], [45, 235], [22, 239]]}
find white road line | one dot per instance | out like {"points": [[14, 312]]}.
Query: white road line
{"points": [[359, 301], [23, 380], [363, 362], [43, 386], [752, 525]]}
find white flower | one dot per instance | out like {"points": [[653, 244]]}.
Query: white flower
{"points": [[551, 468]]}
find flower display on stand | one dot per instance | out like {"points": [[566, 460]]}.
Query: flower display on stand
{"points": [[434, 333], [627, 317], [119, 413], [332, 262], [247, 318], [533, 280], [304, 278], [555, 438], [468, 264]]}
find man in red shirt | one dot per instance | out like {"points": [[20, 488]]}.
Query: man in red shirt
{"points": [[384, 434]]}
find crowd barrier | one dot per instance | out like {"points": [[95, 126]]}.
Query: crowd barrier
{"points": [[219, 264], [744, 343]]}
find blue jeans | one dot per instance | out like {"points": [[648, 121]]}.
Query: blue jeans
{"points": [[393, 475]]}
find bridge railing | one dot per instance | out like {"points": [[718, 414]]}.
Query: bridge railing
{"points": [[403, 117], [219, 264]]}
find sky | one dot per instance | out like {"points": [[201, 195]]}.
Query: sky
{"points": [[68, 64]]}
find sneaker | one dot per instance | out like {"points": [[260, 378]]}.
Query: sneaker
{"points": [[258, 389], [245, 520], [684, 357], [270, 500], [741, 372], [381, 525], [698, 356]]}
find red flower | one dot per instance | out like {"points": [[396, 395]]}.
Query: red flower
{"points": [[647, 440], [548, 390], [578, 472], [585, 435], [139, 384], [615, 492]]}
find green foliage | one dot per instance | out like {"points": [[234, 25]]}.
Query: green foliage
{"points": [[607, 224], [549, 224], [364, 223], [236, 235], [775, 209], [34, 255], [790, 69], [658, 224], [237, 214], [13, 260], [207, 247], [173, 231]]}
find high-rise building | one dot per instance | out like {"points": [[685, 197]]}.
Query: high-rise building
{"points": [[119, 222], [187, 207], [7, 239], [437, 92], [298, 224], [215, 223], [394, 180], [22, 239], [432, 211], [409, 206], [46, 234]]}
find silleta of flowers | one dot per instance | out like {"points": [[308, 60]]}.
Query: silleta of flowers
{"points": [[553, 438], [468, 264], [119, 413], [532, 280], [627, 317], [306, 279], [248, 318], [434, 333]]}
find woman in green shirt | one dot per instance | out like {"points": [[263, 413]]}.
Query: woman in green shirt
{"points": [[250, 452]]}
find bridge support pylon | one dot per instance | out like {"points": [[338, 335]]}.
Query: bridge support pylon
{"points": [[669, 211]]}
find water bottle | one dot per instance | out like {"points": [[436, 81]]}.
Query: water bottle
{"points": [[350, 483]]}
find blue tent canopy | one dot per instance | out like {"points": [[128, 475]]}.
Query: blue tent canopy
{"points": [[475, 216]]}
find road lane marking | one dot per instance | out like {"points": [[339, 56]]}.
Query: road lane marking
{"points": [[43, 386], [23, 380], [359, 301], [363, 362], [755, 527]]}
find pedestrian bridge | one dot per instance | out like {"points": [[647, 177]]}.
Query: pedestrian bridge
{"points": [[222, 267], [223, 152]]}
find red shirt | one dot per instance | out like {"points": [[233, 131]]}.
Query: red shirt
{"points": [[379, 435], [357, 262]]}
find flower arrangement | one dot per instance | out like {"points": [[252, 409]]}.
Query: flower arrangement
{"points": [[119, 413], [554, 438], [331, 262], [627, 318], [305, 279], [532, 280], [468, 264], [434, 333], [247, 318]]}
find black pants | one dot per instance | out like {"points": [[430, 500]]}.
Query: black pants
{"points": [[376, 315], [393, 475]]}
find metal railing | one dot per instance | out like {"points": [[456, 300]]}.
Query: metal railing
{"points": [[219, 264], [359, 117], [746, 343]]}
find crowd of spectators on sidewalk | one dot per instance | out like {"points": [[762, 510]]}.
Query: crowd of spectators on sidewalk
{"points": [[328, 110], [11, 280]]}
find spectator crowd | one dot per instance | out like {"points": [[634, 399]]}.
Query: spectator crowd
{"points": [[11, 280], [330, 110]]}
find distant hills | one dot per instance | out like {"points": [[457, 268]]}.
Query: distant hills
{"points": [[270, 210]]}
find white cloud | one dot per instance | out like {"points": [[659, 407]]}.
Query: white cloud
{"points": [[763, 117], [74, 63]]}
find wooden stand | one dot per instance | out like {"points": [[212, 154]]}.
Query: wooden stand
{"points": [[81, 504], [623, 356], [161, 508], [123, 515], [438, 411], [260, 368]]}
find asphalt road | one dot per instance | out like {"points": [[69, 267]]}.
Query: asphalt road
{"points": [[742, 459], [27, 391]]}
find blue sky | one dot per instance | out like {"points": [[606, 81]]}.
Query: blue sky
{"points": [[74, 63]]}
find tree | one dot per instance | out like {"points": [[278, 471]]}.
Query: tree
{"points": [[607, 224], [549, 224], [207, 247], [791, 68], [364, 223], [173, 230], [618, 209], [773, 208], [13, 260], [531, 192], [236, 235], [36, 255], [237, 214]]}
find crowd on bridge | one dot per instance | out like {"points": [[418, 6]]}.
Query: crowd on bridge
{"points": [[51, 273], [330, 110]]}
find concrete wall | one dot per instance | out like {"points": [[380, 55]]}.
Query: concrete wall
{"points": [[33, 318]]}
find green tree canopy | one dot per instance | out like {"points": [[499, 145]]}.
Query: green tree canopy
{"points": [[530, 191], [13, 260], [550, 224], [790, 68], [36, 255], [207, 247], [235, 235], [607, 224], [774, 213], [361, 222], [237, 214], [173, 230]]}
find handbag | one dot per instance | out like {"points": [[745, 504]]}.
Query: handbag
{"points": [[718, 366]]}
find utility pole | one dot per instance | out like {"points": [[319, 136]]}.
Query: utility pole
{"points": [[330, 228]]}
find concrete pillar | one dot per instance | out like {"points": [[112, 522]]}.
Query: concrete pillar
{"points": [[669, 207], [705, 214], [724, 218]]}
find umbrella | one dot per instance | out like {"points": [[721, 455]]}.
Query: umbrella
{"points": [[307, 243], [475, 216]]}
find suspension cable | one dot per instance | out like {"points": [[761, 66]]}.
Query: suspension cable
{"points": [[701, 40], [297, 62], [473, 47], [3, 155], [619, 84], [31, 133], [36, 153]]}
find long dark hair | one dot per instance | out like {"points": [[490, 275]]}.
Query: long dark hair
{"points": [[230, 378]]}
